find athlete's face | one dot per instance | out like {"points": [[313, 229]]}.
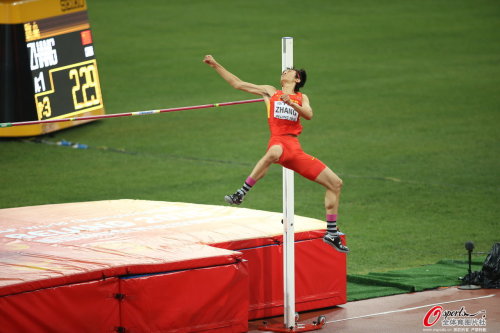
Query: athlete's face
{"points": [[289, 75]]}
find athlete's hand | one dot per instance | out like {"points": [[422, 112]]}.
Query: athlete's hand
{"points": [[286, 98], [209, 60]]}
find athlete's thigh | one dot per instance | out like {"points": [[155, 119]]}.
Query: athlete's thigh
{"points": [[329, 179], [306, 165], [274, 152]]}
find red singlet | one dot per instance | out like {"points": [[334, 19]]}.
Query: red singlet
{"points": [[282, 118], [284, 124]]}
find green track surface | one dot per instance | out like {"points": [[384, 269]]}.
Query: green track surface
{"points": [[407, 111]]}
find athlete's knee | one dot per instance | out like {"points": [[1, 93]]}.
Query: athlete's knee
{"points": [[273, 154], [330, 180], [340, 183], [271, 157], [336, 184]]}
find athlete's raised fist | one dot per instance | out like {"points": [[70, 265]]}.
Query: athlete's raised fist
{"points": [[209, 60], [286, 98]]}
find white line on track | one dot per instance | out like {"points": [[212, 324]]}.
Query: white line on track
{"points": [[409, 309]]}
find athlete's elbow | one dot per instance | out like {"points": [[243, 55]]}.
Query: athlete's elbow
{"points": [[236, 84], [243, 87], [239, 84]]}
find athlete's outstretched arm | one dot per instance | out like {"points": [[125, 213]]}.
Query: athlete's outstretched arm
{"points": [[236, 82]]}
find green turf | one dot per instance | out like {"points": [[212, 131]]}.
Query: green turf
{"points": [[406, 100], [444, 273]]}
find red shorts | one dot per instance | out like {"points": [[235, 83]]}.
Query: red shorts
{"points": [[294, 158]]}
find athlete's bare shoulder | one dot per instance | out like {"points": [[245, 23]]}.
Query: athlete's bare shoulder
{"points": [[269, 91]]}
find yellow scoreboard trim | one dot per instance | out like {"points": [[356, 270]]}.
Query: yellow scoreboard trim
{"points": [[21, 11], [39, 129]]}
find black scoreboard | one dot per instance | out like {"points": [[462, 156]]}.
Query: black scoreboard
{"points": [[48, 68]]}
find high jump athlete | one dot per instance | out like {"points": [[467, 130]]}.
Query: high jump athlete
{"points": [[285, 107]]}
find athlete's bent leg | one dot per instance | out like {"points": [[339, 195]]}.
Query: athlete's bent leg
{"points": [[333, 185], [272, 155]]}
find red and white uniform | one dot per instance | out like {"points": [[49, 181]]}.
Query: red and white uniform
{"points": [[282, 118], [285, 127]]}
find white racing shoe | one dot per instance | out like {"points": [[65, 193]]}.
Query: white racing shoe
{"points": [[234, 199]]}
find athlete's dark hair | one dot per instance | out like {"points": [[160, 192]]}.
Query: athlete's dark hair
{"points": [[302, 76]]}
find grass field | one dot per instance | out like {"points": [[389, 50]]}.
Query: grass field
{"points": [[407, 110]]}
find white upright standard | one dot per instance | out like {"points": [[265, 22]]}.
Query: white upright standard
{"points": [[288, 213], [290, 323]]}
